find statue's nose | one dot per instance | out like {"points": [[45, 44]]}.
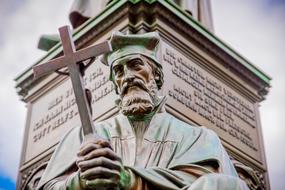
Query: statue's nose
{"points": [[129, 76]]}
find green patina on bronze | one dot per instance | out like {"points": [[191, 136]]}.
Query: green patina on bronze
{"points": [[159, 152], [125, 179]]}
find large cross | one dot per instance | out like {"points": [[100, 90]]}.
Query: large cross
{"points": [[70, 59]]}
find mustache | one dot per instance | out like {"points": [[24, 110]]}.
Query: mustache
{"points": [[136, 82]]}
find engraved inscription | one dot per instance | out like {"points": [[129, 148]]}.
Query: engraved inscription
{"points": [[63, 107], [56, 111], [212, 103]]}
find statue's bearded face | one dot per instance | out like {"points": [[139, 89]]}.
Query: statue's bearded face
{"points": [[134, 78]]}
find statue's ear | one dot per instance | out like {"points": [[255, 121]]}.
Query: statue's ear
{"points": [[158, 81], [157, 77]]}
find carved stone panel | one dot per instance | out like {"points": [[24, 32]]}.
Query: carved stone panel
{"points": [[205, 99], [54, 112]]}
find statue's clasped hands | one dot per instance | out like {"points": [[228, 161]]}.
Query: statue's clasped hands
{"points": [[100, 167]]}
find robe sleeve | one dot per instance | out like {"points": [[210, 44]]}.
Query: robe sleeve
{"points": [[162, 178], [189, 178], [218, 182], [192, 160]]}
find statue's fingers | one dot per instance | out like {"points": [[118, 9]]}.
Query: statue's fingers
{"points": [[95, 140], [88, 141], [100, 172], [101, 183], [104, 143], [97, 162], [104, 152], [88, 147]]}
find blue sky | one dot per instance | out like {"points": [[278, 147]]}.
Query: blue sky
{"points": [[255, 28], [6, 183]]}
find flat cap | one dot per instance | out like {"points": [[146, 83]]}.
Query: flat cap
{"points": [[131, 44]]}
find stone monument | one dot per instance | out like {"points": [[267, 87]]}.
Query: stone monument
{"points": [[207, 84]]}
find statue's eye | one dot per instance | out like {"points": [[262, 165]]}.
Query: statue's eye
{"points": [[136, 63], [118, 70]]}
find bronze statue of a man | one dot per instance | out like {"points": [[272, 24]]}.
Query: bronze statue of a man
{"points": [[144, 147]]}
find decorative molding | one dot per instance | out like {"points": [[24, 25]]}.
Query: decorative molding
{"points": [[253, 178], [27, 175], [149, 13]]}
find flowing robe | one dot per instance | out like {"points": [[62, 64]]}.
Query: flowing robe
{"points": [[172, 155]]}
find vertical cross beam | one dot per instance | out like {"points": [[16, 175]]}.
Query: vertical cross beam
{"points": [[70, 59], [76, 80]]}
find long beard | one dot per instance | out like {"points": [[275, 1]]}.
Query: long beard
{"points": [[139, 100]]}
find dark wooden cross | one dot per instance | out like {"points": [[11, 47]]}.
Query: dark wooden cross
{"points": [[70, 59]]}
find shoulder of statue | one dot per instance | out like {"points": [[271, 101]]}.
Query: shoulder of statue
{"points": [[184, 126], [110, 120], [209, 132], [176, 129], [113, 127]]}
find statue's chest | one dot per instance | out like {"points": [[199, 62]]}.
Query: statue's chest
{"points": [[145, 154]]}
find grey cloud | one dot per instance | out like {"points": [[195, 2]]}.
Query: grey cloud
{"points": [[18, 51], [256, 30]]}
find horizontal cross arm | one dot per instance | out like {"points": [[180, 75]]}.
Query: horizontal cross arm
{"points": [[92, 51], [49, 67]]}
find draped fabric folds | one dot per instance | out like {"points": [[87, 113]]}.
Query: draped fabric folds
{"points": [[173, 154]]}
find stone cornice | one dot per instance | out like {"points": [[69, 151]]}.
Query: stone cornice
{"points": [[174, 15]]}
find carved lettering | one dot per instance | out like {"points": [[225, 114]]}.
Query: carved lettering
{"points": [[209, 98], [62, 108], [55, 112]]}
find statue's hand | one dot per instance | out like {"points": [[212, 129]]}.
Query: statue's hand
{"points": [[99, 165]]}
